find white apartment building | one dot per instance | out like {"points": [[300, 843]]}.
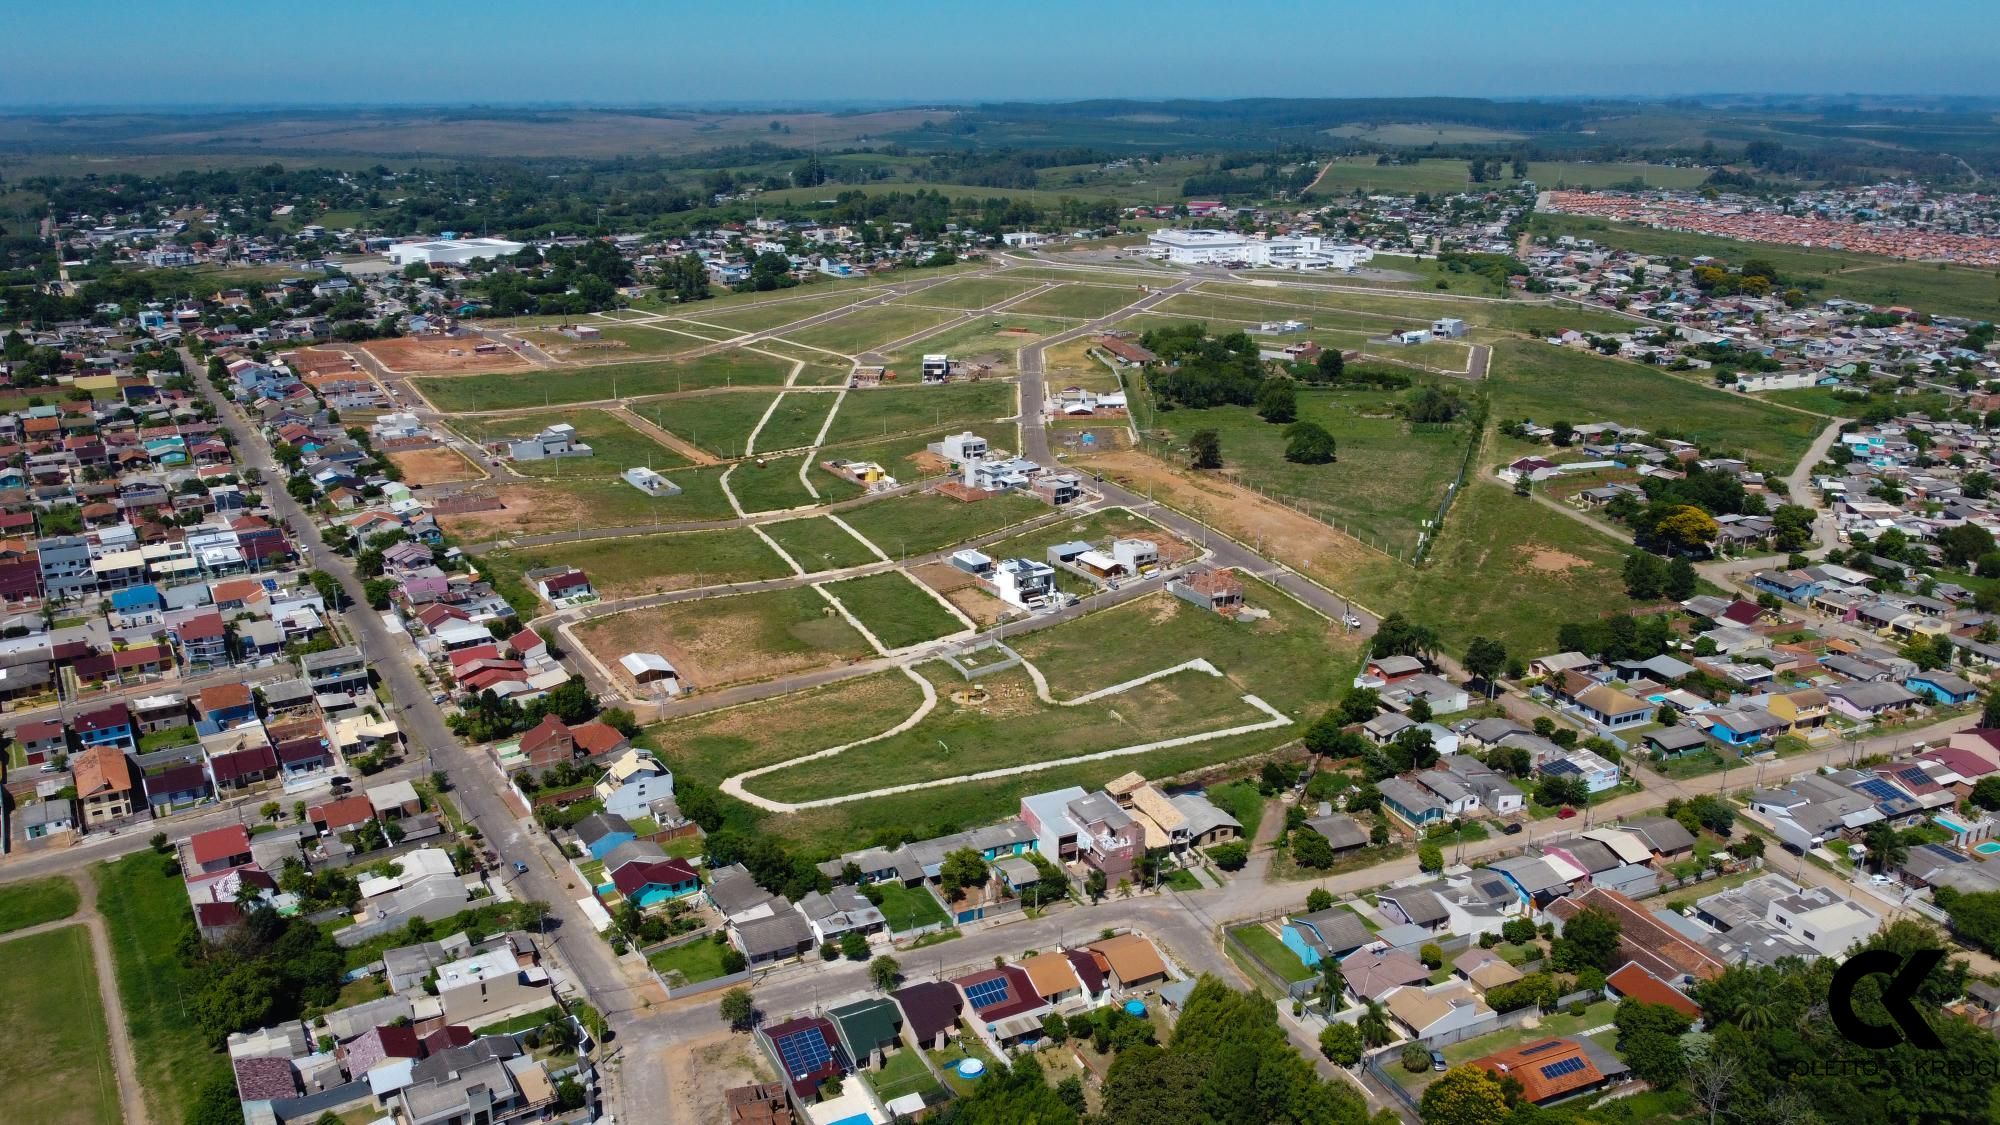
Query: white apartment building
{"points": [[1297, 252]]}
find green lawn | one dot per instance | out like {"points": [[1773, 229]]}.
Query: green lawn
{"points": [[774, 485], [902, 1073], [966, 1043], [966, 293], [913, 524], [520, 1023], [1080, 301], [36, 901], [795, 422], [615, 445], [146, 908], [561, 386], [631, 565], [716, 641], [989, 340], [883, 411], [1820, 400], [770, 314], [1271, 953], [162, 740], [692, 963], [1241, 800], [57, 1066], [719, 422], [894, 608], [909, 909], [819, 544], [867, 329]]}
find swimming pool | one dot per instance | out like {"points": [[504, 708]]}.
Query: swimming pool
{"points": [[1990, 847], [1949, 825]]}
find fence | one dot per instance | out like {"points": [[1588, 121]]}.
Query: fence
{"points": [[1384, 1079]]}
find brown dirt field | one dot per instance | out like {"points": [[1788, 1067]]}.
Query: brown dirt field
{"points": [[928, 463], [1111, 437], [559, 346], [699, 1072], [527, 509], [715, 642], [961, 590], [1553, 562], [1284, 534], [435, 466], [430, 355], [942, 577], [319, 361]]}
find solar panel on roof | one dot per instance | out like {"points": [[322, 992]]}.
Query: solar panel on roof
{"points": [[1562, 1067], [1880, 790], [804, 1051], [985, 994], [1539, 1048]]}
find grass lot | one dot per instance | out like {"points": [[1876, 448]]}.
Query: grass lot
{"points": [[866, 329], [1080, 301], [774, 485], [902, 1073], [795, 422], [617, 342], [894, 410], [1819, 400], [719, 641], [1241, 800], [914, 524], [1947, 291], [907, 456], [821, 369], [770, 314], [1381, 311], [36, 901], [57, 1067], [1389, 478], [545, 506], [615, 445], [967, 293], [894, 608], [561, 386], [989, 340], [1362, 172], [145, 909], [692, 963], [1271, 953], [1550, 384], [906, 909], [629, 566], [819, 544], [719, 422]]}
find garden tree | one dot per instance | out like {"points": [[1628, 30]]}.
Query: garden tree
{"points": [[1974, 917], [1989, 712], [1986, 794], [328, 588], [1649, 1039], [1791, 526], [1686, 528], [1094, 884], [1555, 791], [1430, 857], [1340, 1043], [1416, 1057], [1589, 940], [1645, 576], [1464, 1095], [1538, 990], [1518, 931], [854, 945], [1230, 856], [737, 1009], [1399, 636], [1054, 1027], [1431, 954], [1309, 443], [1412, 749], [1278, 401], [1329, 366], [1205, 450], [1326, 738], [1963, 544], [1373, 1025], [1318, 899], [1311, 850], [1379, 834], [1005, 1095], [1886, 849], [1485, 658], [1360, 704], [1563, 434]]}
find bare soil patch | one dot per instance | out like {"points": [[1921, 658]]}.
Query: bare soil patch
{"points": [[1550, 561], [961, 590], [435, 466], [433, 355], [700, 1072], [928, 463], [319, 361]]}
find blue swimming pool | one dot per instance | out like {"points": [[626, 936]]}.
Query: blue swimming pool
{"points": [[1988, 848], [1949, 825]]}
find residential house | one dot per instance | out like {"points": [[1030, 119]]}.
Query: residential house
{"points": [[1334, 932], [1130, 960], [1871, 699], [108, 788], [931, 1012], [1370, 974], [1942, 688], [1554, 1070], [1657, 947], [219, 849], [1450, 1008], [648, 883]]}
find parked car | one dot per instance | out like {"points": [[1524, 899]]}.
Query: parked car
{"points": [[1352, 621], [1513, 829], [520, 868], [1566, 813], [1437, 1060]]}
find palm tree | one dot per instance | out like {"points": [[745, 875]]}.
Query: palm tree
{"points": [[1885, 845], [1373, 1025]]}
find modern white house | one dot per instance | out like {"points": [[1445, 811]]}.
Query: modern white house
{"points": [[650, 482], [1297, 252], [937, 368], [1024, 582], [960, 448], [558, 440]]}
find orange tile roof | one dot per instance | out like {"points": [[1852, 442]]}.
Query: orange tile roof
{"points": [[1530, 1063], [1633, 980], [101, 769]]}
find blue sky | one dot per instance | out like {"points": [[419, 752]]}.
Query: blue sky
{"points": [[250, 52]]}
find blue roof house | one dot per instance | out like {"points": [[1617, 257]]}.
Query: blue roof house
{"points": [[1942, 688]]}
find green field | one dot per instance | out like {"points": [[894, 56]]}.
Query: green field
{"points": [[907, 909], [1381, 311], [719, 421], [894, 608], [636, 340], [966, 293], [796, 421], [1928, 287], [866, 329], [615, 445], [1097, 527], [1079, 301], [631, 565], [1349, 173], [1550, 384], [36, 901], [455, 394], [543, 506], [916, 524], [719, 641], [57, 1066], [991, 342], [1389, 478], [770, 314], [820, 370], [884, 411], [819, 544], [1268, 951], [774, 485], [146, 909], [1819, 400]]}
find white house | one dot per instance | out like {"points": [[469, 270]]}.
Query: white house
{"points": [[650, 482], [558, 440], [960, 448], [1298, 252], [1024, 582]]}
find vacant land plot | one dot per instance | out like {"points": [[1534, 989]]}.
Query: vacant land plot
{"points": [[818, 543], [916, 524], [1079, 301], [895, 609], [821, 369], [690, 962], [963, 591], [718, 421], [987, 343], [434, 466], [1333, 305], [36, 901], [866, 329], [1348, 173], [1074, 364], [1389, 478], [565, 385], [543, 507], [771, 314], [883, 411], [631, 565], [435, 354], [795, 422], [967, 293], [615, 446], [145, 909], [773, 485], [908, 457], [718, 641], [616, 342], [1531, 380], [57, 1066]]}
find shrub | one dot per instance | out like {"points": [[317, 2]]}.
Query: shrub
{"points": [[1416, 1058]]}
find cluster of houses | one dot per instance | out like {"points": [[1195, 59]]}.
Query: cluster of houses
{"points": [[979, 470], [1812, 811], [428, 1052]]}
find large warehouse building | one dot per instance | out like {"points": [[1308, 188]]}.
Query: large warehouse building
{"points": [[452, 251], [1217, 247]]}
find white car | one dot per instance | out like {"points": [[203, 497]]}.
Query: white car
{"points": [[1352, 622], [1879, 880]]}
